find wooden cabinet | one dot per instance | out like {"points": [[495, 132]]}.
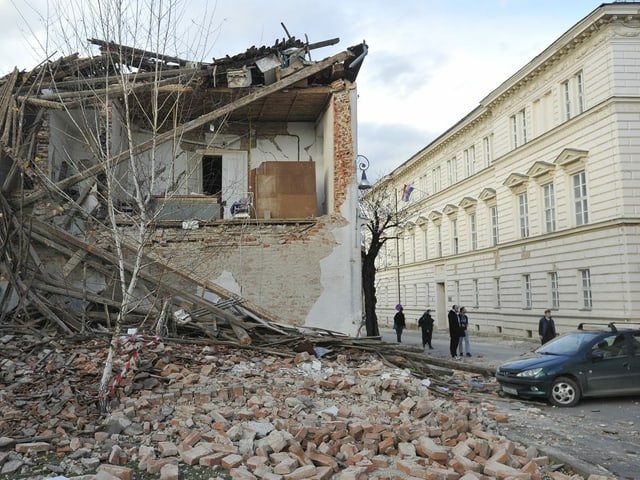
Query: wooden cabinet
{"points": [[284, 189]]}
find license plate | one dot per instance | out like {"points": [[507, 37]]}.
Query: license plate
{"points": [[510, 391]]}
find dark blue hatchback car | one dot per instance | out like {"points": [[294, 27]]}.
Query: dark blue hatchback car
{"points": [[593, 361]]}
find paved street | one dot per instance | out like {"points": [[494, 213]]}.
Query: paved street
{"points": [[595, 434]]}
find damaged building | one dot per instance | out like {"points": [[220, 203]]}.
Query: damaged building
{"points": [[240, 172]]}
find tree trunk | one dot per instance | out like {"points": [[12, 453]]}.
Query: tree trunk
{"points": [[369, 290]]}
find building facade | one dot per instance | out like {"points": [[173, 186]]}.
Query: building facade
{"points": [[531, 201]]}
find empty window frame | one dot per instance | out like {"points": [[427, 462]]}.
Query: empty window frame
{"points": [[212, 174], [498, 299], [439, 240]]}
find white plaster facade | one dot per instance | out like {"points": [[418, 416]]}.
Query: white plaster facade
{"points": [[531, 201]]}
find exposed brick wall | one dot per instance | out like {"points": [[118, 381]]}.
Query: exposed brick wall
{"points": [[343, 140], [277, 266]]}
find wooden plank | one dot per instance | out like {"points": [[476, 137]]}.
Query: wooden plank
{"points": [[51, 232], [124, 51], [5, 93], [73, 262]]}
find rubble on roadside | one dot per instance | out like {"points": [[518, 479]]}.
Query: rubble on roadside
{"points": [[245, 414]]}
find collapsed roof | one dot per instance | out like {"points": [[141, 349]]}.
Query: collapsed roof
{"points": [[72, 80], [276, 83]]}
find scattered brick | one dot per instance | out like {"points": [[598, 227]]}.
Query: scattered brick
{"points": [[261, 416]]}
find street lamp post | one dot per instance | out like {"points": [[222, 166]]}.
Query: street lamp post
{"points": [[397, 237], [363, 163]]}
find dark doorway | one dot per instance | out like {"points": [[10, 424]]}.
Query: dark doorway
{"points": [[212, 175]]}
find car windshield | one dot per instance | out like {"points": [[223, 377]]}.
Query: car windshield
{"points": [[568, 344]]}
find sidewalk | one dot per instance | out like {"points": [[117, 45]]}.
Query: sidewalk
{"points": [[486, 351]]}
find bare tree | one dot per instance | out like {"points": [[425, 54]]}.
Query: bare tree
{"points": [[379, 206], [111, 118]]}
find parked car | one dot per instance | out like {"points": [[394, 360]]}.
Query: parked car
{"points": [[594, 361]]}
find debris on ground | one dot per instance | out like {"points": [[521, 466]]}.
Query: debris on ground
{"points": [[244, 413]]}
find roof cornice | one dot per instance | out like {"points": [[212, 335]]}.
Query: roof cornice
{"points": [[576, 35]]}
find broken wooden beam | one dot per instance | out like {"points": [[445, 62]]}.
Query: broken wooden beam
{"points": [[202, 120]]}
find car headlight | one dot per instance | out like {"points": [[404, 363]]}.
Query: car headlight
{"points": [[534, 372]]}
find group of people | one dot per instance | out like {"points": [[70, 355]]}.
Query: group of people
{"points": [[458, 332], [458, 325], [425, 322], [459, 329]]}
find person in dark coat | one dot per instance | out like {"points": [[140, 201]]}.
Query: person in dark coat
{"points": [[399, 322], [546, 327], [426, 325], [455, 331]]}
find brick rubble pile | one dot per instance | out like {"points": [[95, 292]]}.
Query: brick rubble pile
{"points": [[244, 414]]}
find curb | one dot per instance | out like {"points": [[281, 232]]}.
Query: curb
{"points": [[581, 467]]}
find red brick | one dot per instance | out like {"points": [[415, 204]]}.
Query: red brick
{"points": [[123, 473]]}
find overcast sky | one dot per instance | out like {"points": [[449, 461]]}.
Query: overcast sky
{"points": [[430, 62]]}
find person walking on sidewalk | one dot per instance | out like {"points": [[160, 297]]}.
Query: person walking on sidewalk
{"points": [[546, 327], [399, 322], [464, 324], [455, 332], [426, 325]]}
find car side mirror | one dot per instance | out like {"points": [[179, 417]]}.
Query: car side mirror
{"points": [[597, 354]]}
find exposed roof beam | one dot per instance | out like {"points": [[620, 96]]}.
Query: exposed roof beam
{"points": [[193, 124]]}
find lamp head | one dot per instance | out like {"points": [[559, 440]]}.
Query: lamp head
{"points": [[364, 182], [363, 165]]}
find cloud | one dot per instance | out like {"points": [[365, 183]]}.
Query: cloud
{"points": [[429, 64], [387, 145]]}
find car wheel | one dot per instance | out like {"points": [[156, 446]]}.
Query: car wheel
{"points": [[564, 392]]}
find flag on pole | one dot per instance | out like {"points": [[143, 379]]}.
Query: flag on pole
{"points": [[406, 192]]}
